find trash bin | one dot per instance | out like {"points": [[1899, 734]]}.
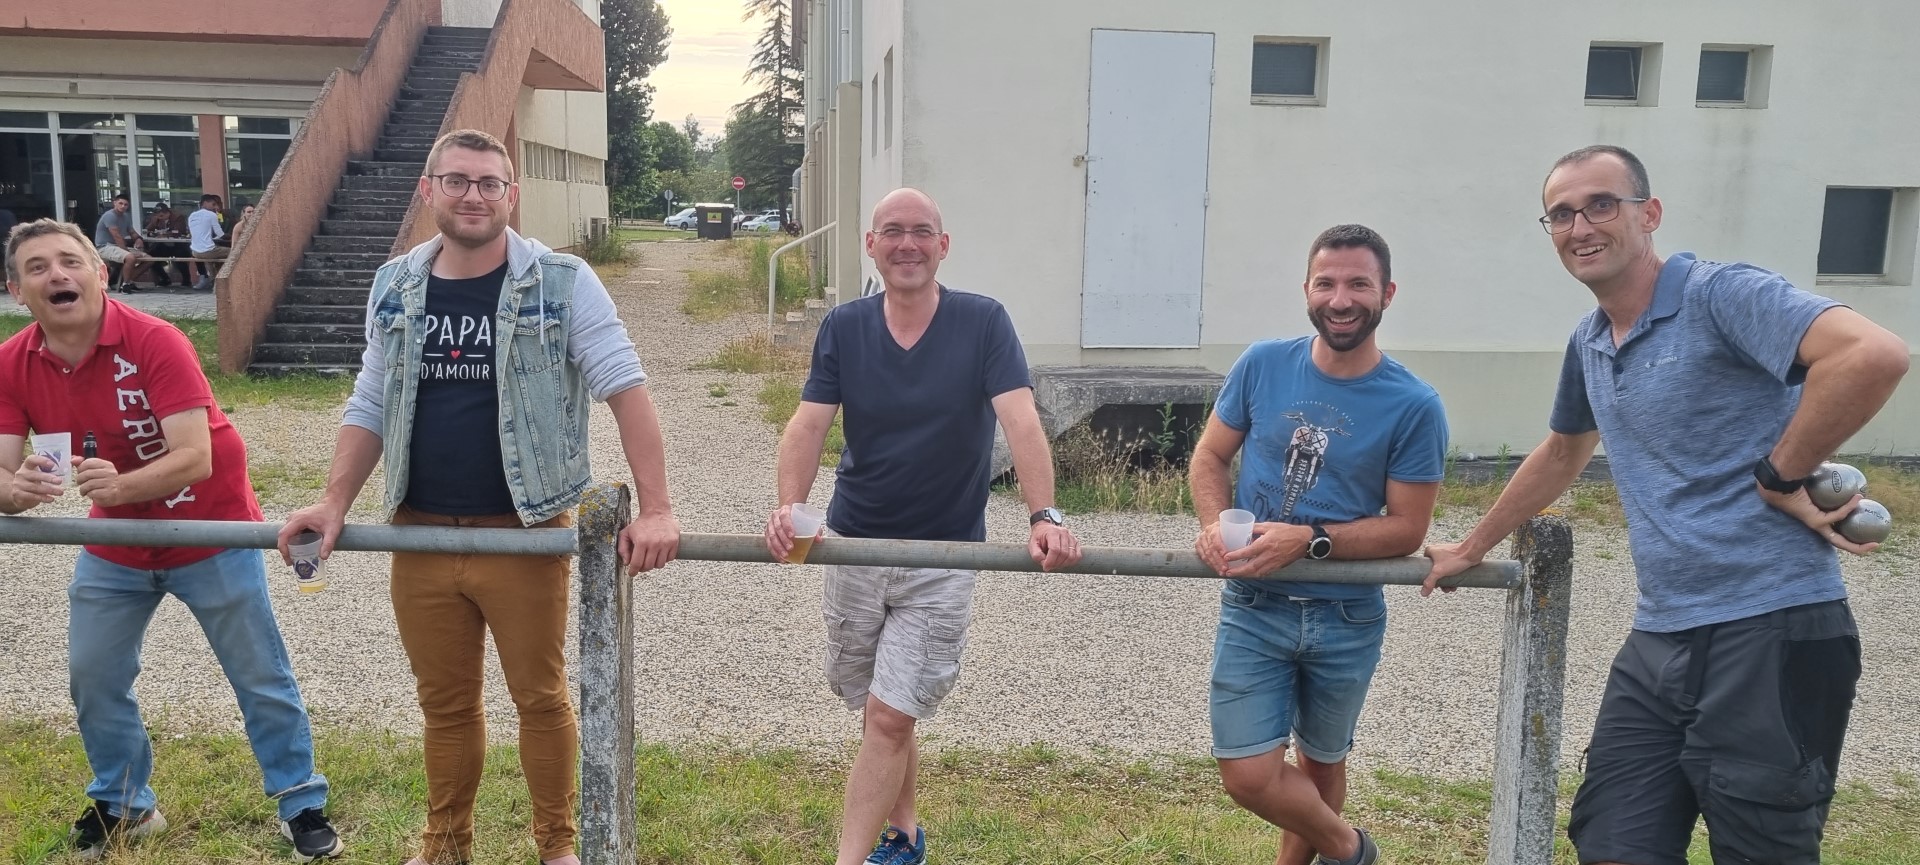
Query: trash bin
{"points": [[715, 221]]}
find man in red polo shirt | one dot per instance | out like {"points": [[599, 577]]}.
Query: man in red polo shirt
{"points": [[92, 365]]}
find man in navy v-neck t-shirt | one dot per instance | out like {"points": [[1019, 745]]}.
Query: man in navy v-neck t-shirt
{"points": [[923, 373]]}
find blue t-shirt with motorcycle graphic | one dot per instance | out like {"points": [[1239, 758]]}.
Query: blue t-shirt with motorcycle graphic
{"points": [[1321, 449]]}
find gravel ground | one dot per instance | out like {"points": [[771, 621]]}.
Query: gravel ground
{"points": [[730, 652]]}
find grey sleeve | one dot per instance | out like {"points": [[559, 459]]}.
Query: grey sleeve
{"points": [[1572, 411], [366, 407], [1763, 317], [597, 341]]}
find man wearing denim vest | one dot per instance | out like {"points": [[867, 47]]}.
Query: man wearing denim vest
{"points": [[1717, 388], [483, 349]]}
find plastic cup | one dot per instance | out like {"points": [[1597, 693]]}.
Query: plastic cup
{"points": [[309, 570], [1236, 529], [806, 524], [57, 447]]}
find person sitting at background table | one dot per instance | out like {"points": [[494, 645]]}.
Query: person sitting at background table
{"points": [[163, 230]]}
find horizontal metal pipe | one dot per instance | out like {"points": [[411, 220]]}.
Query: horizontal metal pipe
{"points": [[1135, 561], [264, 536]]}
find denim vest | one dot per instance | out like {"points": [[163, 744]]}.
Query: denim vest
{"points": [[543, 397]]}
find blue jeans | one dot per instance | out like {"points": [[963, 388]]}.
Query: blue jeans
{"points": [[109, 609], [1291, 668]]}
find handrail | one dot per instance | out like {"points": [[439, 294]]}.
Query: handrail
{"points": [[773, 268]]}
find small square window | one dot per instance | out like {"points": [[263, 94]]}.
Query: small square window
{"points": [[1289, 72], [1853, 232], [1613, 73], [1723, 76]]}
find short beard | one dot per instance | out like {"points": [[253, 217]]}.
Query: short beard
{"points": [[1346, 341], [452, 231]]}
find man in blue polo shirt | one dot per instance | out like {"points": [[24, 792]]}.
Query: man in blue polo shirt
{"points": [[923, 373], [1717, 389]]}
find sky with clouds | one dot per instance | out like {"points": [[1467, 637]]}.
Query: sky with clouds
{"points": [[705, 62]]}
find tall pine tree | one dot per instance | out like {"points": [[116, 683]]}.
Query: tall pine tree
{"points": [[637, 33], [764, 133]]}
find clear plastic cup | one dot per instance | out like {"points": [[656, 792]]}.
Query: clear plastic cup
{"points": [[1236, 529], [57, 447], [806, 523], [309, 570]]}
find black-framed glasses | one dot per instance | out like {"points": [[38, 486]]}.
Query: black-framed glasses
{"points": [[456, 185], [1598, 211]]}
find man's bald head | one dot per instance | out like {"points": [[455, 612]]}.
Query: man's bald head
{"points": [[907, 207]]}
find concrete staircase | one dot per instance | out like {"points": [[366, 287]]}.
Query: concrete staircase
{"points": [[320, 325]]}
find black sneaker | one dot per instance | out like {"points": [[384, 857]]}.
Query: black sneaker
{"points": [[97, 829], [312, 836]]}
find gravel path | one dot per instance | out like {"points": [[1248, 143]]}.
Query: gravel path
{"points": [[730, 652]]}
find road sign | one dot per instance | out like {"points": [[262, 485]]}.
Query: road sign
{"points": [[739, 183], [667, 194]]}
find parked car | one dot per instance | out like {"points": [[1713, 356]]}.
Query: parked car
{"points": [[684, 219], [766, 223]]}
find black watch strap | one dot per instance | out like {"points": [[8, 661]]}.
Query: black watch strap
{"points": [[1769, 477], [1322, 544]]}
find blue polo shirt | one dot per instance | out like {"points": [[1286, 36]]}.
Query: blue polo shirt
{"points": [[1700, 388]]}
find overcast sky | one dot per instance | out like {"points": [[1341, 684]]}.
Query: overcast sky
{"points": [[705, 60]]}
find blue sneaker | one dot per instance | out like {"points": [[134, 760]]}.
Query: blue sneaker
{"points": [[895, 849]]}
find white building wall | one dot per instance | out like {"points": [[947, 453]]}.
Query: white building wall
{"points": [[554, 211], [1439, 125], [883, 149]]}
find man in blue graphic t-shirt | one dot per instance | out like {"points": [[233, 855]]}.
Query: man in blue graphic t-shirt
{"points": [[1341, 454], [1717, 388], [922, 372]]}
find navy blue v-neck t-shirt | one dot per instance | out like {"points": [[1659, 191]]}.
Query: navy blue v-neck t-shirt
{"points": [[918, 421]]}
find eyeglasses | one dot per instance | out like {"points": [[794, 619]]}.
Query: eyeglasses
{"points": [[491, 188], [1599, 211], [895, 233]]}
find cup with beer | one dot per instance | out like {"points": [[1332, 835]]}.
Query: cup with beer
{"points": [[806, 524]]}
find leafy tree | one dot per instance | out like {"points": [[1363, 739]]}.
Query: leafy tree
{"points": [[637, 33], [763, 131], [671, 149]]}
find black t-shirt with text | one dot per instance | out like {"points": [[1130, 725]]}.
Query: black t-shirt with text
{"points": [[455, 467]]}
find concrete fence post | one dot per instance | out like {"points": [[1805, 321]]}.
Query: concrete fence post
{"points": [[1533, 667], [606, 681]]}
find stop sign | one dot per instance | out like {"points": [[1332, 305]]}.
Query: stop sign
{"points": [[739, 183]]}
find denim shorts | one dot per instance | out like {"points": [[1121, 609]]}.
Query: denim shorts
{"points": [[1291, 669]]}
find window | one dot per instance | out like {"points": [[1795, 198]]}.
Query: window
{"points": [[1289, 71], [1853, 233], [1623, 74], [888, 96], [873, 119], [1723, 76], [1733, 76]]}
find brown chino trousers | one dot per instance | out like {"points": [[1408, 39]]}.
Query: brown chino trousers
{"points": [[444, 605]]}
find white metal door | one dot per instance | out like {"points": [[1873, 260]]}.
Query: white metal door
{"points": [[1149, 116]]}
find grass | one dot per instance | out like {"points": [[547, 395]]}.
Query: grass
{"points": [[653, 235], [1093, 473], [238, 389], [780, 398], [741, 285], [755, 353], [705, 804]]}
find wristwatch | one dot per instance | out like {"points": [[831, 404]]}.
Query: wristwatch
{"points": [[1050, 514], [1769, 477], [1321, 546]]}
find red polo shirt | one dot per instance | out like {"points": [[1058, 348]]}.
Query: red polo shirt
{"points": [[142, 370]]}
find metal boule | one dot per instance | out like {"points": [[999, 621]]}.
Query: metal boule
{"points": [[1868, 524]]}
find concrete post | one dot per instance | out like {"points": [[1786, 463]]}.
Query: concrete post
{"points": [[606, 681], [1533, 667]]}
